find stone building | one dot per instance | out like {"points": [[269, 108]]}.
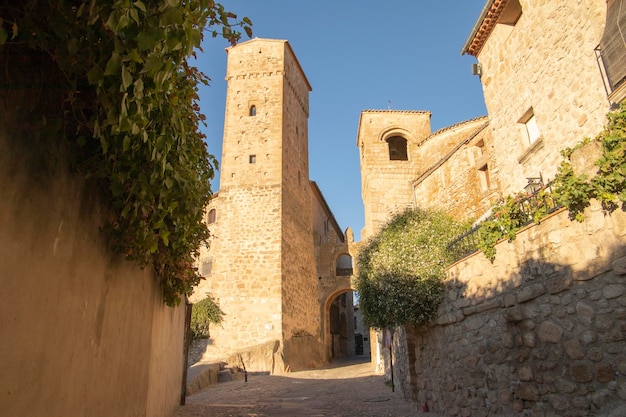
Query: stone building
{"points": [[278, 259], [540, 331], [539, 66], [404, 164]]}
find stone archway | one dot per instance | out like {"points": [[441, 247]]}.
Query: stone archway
{"points": [[338, 328]]}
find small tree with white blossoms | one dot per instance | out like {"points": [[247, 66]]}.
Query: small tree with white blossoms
{"points": [[401, 269]]}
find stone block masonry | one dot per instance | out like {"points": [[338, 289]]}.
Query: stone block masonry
{"points": [[538, 332]]}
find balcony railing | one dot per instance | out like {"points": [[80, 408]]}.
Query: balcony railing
{"points": [[467, 243]]}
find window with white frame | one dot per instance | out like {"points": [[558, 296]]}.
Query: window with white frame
{"points": [[530, 126]]}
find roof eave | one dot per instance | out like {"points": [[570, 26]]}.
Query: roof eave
{"points": [[483, 27]]}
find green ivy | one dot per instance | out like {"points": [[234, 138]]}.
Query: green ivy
{"points": [[203, 313], [571, 190], [132, 116], [401, 269], [509, 216], [608, 185]]}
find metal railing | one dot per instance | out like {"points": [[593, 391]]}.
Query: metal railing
{"points": [[467, 243]]}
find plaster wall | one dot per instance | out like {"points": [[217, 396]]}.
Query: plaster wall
{"points": [[82, 332]]}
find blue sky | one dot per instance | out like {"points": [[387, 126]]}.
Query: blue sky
{"points": [[357, 55]]}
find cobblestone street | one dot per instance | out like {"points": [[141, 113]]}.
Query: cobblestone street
{"points": [[343, 389]]}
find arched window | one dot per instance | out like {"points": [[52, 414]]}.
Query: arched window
{"points": [[344, 266], [253, 110], [211, 216], [397, 148]]}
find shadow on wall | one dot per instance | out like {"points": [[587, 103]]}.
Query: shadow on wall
{"points": [[544, 338]]}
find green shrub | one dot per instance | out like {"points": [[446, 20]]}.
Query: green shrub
{"points": [[203, 313], [401, 269], [132, 120]]}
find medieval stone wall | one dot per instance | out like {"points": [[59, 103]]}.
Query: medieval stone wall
{"points": [[461, 183], [540, 331], [263, 266], [544, 63], [385, 183], [301, 324]]}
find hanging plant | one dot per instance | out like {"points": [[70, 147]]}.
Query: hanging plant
{"points": [[132, 119], [608, 185]]}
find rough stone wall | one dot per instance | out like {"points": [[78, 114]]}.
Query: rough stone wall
{"points": [[385, 183], [463, 182], [82, 332], [301, 325], [541, 331], [546, 62]]}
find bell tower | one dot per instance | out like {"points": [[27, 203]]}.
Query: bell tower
{"points": [[389, 142]]}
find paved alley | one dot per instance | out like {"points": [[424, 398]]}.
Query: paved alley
{"points": [[343, 389]]}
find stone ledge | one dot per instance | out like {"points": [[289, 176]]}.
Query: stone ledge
{"points": [[202, 374]]}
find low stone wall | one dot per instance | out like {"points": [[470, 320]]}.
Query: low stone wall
{"points": [[541, 331]]}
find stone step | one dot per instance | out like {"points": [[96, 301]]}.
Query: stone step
{"points": [[203, 374]]}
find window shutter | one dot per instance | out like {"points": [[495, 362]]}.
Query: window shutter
{"points": [[613, 43]]}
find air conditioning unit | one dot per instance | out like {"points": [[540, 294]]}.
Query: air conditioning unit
{"points": [[477, 70]]}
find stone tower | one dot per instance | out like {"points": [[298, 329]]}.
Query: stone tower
{"points": [[389, 142], [263, 268]]}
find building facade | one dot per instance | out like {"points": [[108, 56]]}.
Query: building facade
{"points": [[539, 330], [541, 70], [275, 241]]}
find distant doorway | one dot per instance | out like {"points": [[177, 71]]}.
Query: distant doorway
{"points": [[341, 326], [358, 344]]}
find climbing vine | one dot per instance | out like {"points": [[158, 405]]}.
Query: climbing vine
{"points": [[512, 214], [131, 115], [570, 190], [401, 269], [608, 186]]}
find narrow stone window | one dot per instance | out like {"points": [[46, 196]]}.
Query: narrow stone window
{"points": [[397, 148], [252, 110], [511, 13], [481, 147], [485, 181], [530, 126], [211, 216], [252, 159]]}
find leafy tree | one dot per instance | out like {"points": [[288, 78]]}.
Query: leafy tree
{"points": [[401, 269], [131, 118], [203, 313]]}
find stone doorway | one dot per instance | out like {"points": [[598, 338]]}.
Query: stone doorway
{"points": [[341, 326]]}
